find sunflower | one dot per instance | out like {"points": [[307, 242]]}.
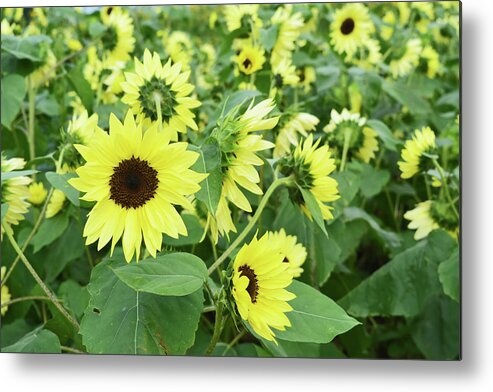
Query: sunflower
{"points": [[242, 16], [409, 60], [284, 74], [289, 29], [155, 86], [350, 29], [37, 193], [389, 21], [300, 123], [5, 293], [307, 76], [294, 252], [370, 56], [15, 191], [259, 282], [433, 65], [117, 40], [56, 203], [349, 133], [421, 220], [179, 47], [80, 130], [404, 9], [422, 142], [135, 178], [250, 59]]}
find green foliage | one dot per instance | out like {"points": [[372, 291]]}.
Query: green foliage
{"points": [[36, 341], [13, 93], [60, 182], [448, 273]]}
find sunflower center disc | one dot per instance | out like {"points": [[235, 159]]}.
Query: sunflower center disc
{"points": [[133, 183], [347, 26], [109, 39], [247, 64], [252, 288]]}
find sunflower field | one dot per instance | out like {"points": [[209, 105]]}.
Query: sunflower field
{"points": [[232, 180]]}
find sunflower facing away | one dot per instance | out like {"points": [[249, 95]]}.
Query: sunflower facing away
{"points": [[350, 29], [421, 220], [408, 60], [298, 124], [118, 39], [294, 252], [242, 15], [135, 180], [155, 85], [422, 142], [260, 279]]}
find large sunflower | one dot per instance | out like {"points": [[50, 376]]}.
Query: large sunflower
{"points": [[154, 86], [260, 279], [118, 39], [15, 191], [135, 178], [422, 142], [350, 28]]}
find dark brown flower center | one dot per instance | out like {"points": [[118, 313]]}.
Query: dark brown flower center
{"points": [[347, 26], [252, 288], [133, 183], [247, 63]]}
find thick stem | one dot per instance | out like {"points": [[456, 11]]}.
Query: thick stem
{"points": [[347, 139], [251, 224], [50, 295], [217, 329]]}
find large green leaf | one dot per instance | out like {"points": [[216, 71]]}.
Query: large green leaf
{"points": [[406, 96], [37, 341], [75, 297], [120, 320], [13, 91], [402, 286], [50, 230], [81, 87], [384, 133], [373, 180], [32, 48], [268, 37], [315, 317], [448, 272], [175, 274], [60, 182]]}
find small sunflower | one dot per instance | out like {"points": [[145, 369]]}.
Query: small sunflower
{"points": [[307, 77], [290, 26], [153, 84], [5, 293], [259, 282], [294, 252], [350, 29], [432, 58], [135, 178], [56, 203], [242, 16], [118, 39], [250, 59], [179, 47], [370, 56], [37, 193], [15, 191], [409, 60], [422, 142], [43, 75], [300, 123], [284, 74], [421, 220], [80, 130]]}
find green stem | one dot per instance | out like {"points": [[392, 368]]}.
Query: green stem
{"points": [[445, 186], [71, 350], [157, 100], [234, 341], [22, 299], [217, 329], [256, 216], [347, 138], [49, 294], [31, 114]]}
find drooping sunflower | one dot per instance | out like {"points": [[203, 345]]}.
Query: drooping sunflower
{"points": [[259, 282], [154, 86], [5, 293], [135, 178], [422, 142], [409, 59], [118, 39], [242, 15], [15, 191], [298, 124], [421, 220], [250, 59], [290, 27], [348, 131], [350, 28], [294, 252], [37, 193]]}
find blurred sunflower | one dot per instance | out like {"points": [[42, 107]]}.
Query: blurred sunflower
{"points": [[389, 21], [118, 39], [422, 142], [15, 191], [298, 124], [306, 76], [179, 47], [80, 130], [289, 29], [284, 73], [242, 16], [294, 252], [37, 193], [408, 60], [135, 178], [56, 203], [259, 282], [5, 293], [432, 59], [250, 59], [350, 28], [370, 55], [155, 87], [421, 220], [43, 75]]}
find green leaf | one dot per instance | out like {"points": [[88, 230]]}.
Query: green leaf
{"points": [[373, 180], [238, 98], [50, 230], [313, 207], [75, 297], [120, 320], [37, 341], [384, 133], [209, 162], [194, 229], [175, 274], [402, 286], [60, 182], [315, 318], [448, 273], [268, 37], [5, 208], [391, 239], [82, 88], [14, 331], [13, 91], [406, 96], [17, 173], [32, 48], [47, 104]]}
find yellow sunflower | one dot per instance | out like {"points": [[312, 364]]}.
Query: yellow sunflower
{"points": [[421, 220], [178, 46], [135, 178], [290, 26], [15, 191], [250, 59], [155, 87], [432, 58], [242, 15], [350, 29], [259, 282], [408, 61], [37, 193], [300, 123], [118, 39], [422, 142], [307, 77], [389, 21], [284, 73], [56, 203], [5, 293], [294, 252]]}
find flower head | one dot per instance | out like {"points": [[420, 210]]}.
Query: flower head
{"points": [[422, 142], [242, 16], [250, 59], [37, 193], [118, 39], [421, 220], [290, 27], [294, 252], [298, 124], [5, 294], [409, 59]]}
